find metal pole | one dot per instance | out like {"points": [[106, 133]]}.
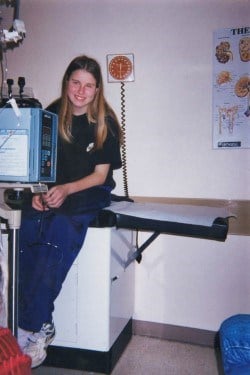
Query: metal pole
{"points": [[13, 281]]}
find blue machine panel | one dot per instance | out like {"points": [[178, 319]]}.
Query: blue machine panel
{"points": [[28, 145]]}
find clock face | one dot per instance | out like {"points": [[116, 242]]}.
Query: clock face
{"points": [[120, 67]]}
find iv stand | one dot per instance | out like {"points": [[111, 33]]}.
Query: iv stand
{"points": [[14, 222]]}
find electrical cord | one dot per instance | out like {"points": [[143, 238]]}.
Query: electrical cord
{"points": [[124, 148]]}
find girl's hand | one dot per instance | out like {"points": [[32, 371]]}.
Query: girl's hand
{"points": [[38, 203], [55, 197]]}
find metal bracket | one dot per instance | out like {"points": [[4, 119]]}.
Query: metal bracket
{"points": [[137, 255]]}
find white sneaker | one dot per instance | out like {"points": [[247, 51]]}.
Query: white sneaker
{"points": [[23, 337], [38, 343]]}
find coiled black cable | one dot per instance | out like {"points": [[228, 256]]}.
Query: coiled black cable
{"points": [[123, 148]]}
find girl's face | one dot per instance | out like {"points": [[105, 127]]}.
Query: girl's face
{"points": [[81, 90]]}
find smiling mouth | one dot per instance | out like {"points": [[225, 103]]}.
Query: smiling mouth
{"points": [[78, 97]]}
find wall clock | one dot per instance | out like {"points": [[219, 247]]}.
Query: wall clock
{"points": [[120, 67]]}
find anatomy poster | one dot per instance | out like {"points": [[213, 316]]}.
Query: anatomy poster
{"points": [[231, 88]]}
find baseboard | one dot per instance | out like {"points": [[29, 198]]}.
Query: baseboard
{"points": [[104, 362], [175, 333], [89, 360]]}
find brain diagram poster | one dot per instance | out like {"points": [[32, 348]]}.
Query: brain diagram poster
{"points": [[231, 88]]}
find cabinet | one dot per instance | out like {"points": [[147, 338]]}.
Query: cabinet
{"points": [[93, 313]]}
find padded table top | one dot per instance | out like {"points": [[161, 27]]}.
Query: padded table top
{"points": [[179, 219]]}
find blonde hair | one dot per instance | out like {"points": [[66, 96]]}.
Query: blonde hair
{"points": [[98, 110]]}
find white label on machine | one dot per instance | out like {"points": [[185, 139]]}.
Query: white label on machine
{"points": [[13, 152]]}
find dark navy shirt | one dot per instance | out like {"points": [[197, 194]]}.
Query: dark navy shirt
{"points": [[78, 159]]}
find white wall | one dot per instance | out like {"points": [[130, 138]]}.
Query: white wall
{"points": [[193, 283], [169, 132]]}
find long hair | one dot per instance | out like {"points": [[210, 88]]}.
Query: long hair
{"points": [[97, 111]]}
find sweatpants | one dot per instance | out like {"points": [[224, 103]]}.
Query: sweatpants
{"points": [[49, 243]]}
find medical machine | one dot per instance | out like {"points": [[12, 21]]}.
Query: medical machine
{"points": [[28, 142], [28, 148]]}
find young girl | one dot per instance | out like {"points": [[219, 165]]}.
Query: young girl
{"points": [[54, 224]]}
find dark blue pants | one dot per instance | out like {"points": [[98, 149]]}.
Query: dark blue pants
{"points": [[49, 243]]}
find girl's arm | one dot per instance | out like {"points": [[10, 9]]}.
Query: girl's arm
{"points": [[57, 194]]}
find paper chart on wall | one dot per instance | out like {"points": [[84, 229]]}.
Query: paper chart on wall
{"points": [[231, 88]]}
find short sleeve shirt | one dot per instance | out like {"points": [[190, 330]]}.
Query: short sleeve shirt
{"points": [[78, 159]]}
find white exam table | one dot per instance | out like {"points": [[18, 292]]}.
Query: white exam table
{"points": [[176, 219], [98, 293]]}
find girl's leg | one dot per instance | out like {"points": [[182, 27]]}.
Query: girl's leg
{"points": [[49, 243], [44, 263]]}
